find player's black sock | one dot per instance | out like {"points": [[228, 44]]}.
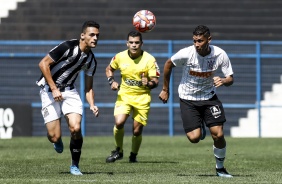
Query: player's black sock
{"points": [[75, 149]]}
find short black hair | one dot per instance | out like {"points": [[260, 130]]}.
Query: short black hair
{"points": [[202, 30], [134, 34], [89, 23]]}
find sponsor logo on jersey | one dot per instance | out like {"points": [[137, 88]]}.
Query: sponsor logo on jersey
{"points": [[132, 82], [200, 74]]}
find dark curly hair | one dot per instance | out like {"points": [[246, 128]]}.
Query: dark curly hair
{"points": [[202, 30]]}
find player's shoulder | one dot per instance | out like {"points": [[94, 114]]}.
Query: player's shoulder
{"points": [[71, 43], [122, 54], [219, 53], [148, 55], [187, 51], [217, 50]]}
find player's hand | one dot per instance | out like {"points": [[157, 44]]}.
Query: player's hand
{"points": [[144, 79], [163, 96], [217, 81], [57, 95], [115, 86], [95, 110]]}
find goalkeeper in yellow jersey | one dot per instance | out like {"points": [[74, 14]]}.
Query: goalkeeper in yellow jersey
{"points": [[139, 74]]}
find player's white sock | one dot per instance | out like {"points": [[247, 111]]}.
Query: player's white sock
{"points": [[219, 156]]}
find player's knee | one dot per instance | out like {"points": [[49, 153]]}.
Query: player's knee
{"points": [[53, 138], [75, 132], [119, 125], [193, 138], [137, 132], [76, 135], [218, 137], [137, 129]]}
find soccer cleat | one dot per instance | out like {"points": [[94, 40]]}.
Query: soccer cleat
{"points": [[115, 155], [203, 131], [74, 170], [59, 146], [223, 173], [132, 157]]}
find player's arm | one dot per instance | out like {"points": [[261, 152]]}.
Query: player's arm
{"points": [[89, 94], [226, 81], [164, 95], [110, 76], [44, 66], [151, 83], [151, 79]]}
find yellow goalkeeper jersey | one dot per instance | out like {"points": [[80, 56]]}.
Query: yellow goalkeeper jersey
{"points": [[131, 71]]}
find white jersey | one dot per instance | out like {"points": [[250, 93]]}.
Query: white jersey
{"points": [[198, 72]]}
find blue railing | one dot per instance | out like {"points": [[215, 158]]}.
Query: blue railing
{"points": [[170, 49]]}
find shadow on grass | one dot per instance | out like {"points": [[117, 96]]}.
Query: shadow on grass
{"points": [[155, 162], [213, 175], [107, 173]]}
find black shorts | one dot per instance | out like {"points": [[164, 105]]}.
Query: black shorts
{"points": [[193, 113]]}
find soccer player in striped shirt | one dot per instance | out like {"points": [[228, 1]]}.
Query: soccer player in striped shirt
{"points": [[139, 75], [60, 68], [199, 103]]}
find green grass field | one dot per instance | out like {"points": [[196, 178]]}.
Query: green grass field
{"points": [[162, 159]]}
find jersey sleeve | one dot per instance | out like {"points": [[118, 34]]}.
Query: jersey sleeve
{"points": [[90, 71], [59, 52], [180, 58], [115, 62], [226, 67], [154, 70]]}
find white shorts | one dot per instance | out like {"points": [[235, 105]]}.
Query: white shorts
{"points": [[52, 110]]}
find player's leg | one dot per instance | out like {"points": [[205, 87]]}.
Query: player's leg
{"points": [[76, 141], [219, 146], [215, 118], [137, 130], [140, 116], [51, 112], [121, 113], [54, 135], [118, 132], [192, 121], [72, 109], [219, 149]]}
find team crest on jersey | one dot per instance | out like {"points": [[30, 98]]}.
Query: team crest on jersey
{"points": [[45, 112], [210, 64], [215, 110]]}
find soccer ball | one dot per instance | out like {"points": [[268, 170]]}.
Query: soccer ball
{"points": [[144, 21]]}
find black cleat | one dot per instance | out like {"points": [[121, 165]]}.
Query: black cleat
{"points": [[223, 173], [115, 155], [132, 157]]}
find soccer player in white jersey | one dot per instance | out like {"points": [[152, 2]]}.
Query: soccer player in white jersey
{"points": [[60, 68], [139, 75], [199, 103]]}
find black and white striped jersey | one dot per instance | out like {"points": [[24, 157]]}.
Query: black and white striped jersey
{"points": [[198, 72], [69, 61]]}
